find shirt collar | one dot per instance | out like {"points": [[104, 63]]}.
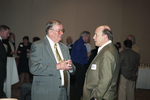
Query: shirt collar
{"points": [[51, 42], [1, 38], [69, 45], [100, 48]]}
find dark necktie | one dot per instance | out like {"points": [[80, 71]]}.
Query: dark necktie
{"points": [[64, 72]]}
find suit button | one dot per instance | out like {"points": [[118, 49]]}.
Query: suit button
{"points": [[60, 78]]}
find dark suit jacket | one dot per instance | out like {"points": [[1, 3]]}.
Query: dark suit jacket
{"points": [[102, 75], [42, 64], [129, 62], [3, 61]]}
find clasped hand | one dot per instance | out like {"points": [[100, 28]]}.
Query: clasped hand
{"points": [[64, 65]]}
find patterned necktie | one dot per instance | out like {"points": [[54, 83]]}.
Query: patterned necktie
{"points": [[64, 72]]}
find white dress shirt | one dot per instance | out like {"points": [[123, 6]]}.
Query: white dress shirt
{"points": [[100, 48], [0, 38], [60, 53], [88, 47]]}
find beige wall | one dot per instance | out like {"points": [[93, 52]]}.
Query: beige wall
{"points": [[28, 17], [136, 21]]}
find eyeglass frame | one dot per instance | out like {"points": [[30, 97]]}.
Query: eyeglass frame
{"points": [[59, 31]]}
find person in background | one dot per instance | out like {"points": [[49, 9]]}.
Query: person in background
{"points": [[35, 39], [69, 43], [79, 59], [134, 46], [102, 74], [11, 48], [50, 64], [92, 56], [129, 62], [4, 33], [23, 52], [88, 47], [118, 45]]}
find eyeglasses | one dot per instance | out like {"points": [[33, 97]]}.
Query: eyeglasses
{"points": [[59, 31]]}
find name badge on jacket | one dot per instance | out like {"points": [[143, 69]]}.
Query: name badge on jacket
{"points": [[93, 67]]}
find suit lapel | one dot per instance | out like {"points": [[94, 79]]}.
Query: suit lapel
{"points": [[49, 49], [98, 55]]}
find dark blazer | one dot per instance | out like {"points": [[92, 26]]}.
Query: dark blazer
{"points": [[3, 61], [102, 75], [42, 64], [129, 62]]}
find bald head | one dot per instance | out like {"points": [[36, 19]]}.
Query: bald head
{"points": [[106, 27], [69, 40], [102, 35], [132, 38]]}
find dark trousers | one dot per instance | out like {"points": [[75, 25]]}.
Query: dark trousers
{"points": [[1, 87], [77, 82]]}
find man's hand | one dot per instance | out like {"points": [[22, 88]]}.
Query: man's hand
{"points": [[13, 53], [64, 65], [19, 51]]}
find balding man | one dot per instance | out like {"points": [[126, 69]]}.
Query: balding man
{"points": [[50, 64], [102, 74]]}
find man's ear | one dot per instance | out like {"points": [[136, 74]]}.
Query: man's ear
{"points": [[49, 32], [105, 36]]}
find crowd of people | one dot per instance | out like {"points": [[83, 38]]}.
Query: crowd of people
{"points": [[8, 49], [73, 71]]}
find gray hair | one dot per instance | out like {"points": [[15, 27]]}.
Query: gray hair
{"points": [[132, 38], [84, 33], [51, 23]]}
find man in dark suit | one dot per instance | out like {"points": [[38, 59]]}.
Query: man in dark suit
{"points": [[4, 33], [129, 62], [10, 42], [102, 74], [47, 64]]}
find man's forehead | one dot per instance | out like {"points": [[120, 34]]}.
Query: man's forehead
{"points": [[69, 38], [129, 37], [100, 28], [58, 26]]}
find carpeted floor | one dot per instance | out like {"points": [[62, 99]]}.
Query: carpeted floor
{"points": [[140, 94]]}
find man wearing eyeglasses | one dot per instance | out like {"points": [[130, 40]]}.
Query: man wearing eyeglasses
{"points": [[48, 62], [79, 59]]}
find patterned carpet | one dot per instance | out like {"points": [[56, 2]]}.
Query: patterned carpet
{"points": [[140, 94]]}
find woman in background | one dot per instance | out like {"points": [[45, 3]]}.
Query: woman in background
{"points": [[23, 51]]}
